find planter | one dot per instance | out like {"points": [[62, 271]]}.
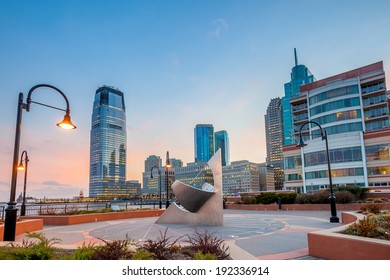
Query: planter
{"points": [[24, 226], [65, 220], [332, 245]]}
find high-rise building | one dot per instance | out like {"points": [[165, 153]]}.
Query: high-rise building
{"points": [[176, 163], [274, 139], [244, 176], [300, 75], [108, 144], [151, 161], [222, 142], [204, 142], [353, 109]]}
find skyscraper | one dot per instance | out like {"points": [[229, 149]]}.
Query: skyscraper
{"points": [[108, 144], [204, 142], [222, 142], [274, 139], [151, 161], [300, 75]]}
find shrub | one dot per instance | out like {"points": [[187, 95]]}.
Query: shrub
{"points": [[248, 199], [266, 198], [205, 242], [366, 228], [288, 198], [320, 197], [303, 198], [35, 247], [344, 197], [373, 208], [85, 252], [113, 250], [360, 193], [208, 256], [161, 248], [142, 254]]}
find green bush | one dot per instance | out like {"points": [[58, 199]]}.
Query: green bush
{"points": [[288, 198], [142, 254], [266, 198], [113, 250], [303, 198], [248, 199], [85, 252], [201, 256]]}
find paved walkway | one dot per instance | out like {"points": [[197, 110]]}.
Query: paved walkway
{"points": [[268, 235]]}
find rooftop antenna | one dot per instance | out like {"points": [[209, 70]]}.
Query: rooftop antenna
{"points": [[295, 55]]}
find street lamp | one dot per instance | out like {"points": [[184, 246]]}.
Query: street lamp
{"points": [[167, 165], [11, 209], [159, 182], [333, 218], [22, 167]]}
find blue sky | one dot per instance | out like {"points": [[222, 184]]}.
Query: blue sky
{"points": [[179, 63]]}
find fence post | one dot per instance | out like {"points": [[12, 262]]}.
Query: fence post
{"points": [[65, 209], [40, 209]]}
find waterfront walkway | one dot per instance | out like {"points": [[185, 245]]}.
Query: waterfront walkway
{"points": [[267, 235]]}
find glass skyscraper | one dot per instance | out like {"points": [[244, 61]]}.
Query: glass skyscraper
{"points": [[300, 75], [108, 144], [222, 142], [274, 139], [204, 142]]}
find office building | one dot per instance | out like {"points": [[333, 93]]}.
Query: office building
{"points": [[244, 177], [222, 142], [195, 174], [274, 139], [204, 142], [300, 75], [353, 109], [108, 144], [151, 161]]}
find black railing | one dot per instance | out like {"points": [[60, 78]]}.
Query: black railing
{"points": [[69, 208]]}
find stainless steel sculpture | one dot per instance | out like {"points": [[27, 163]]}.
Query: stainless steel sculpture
{"points": [[198, 207]]}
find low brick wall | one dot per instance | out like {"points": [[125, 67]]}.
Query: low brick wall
{"points": [[332, 245], [63, 220], [302, 207], [24, 226], [261, 207]]}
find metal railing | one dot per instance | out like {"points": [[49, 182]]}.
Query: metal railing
{"points": [[68, 208]]}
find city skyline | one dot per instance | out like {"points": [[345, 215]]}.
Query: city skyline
{"points": [[179, 63]]}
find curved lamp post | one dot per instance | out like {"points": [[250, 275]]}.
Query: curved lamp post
{"points": [[24, 167], [333, 218], [167, 165], [66, 123], [159, 182]]}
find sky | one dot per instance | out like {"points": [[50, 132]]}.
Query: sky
{"points": [[179, 63]]}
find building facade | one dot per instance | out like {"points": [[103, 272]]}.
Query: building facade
{"points": [[274, 139], [108, 144], [353, 109], [244, 177], [151, 161], [222, 142], [204, 142], [300, 75]]}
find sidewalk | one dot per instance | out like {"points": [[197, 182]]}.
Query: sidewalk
{"points": [[263, 235]]}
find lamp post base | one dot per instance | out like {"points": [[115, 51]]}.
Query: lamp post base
{"points": [[334, 219], [160, 204], [10, 221], [166, 204]]}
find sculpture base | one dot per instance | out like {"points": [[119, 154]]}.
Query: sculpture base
{"points": [[178, 215]]}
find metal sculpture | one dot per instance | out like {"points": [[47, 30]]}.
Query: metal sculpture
{"points": [[197, 206]]}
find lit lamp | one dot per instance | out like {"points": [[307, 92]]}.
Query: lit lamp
{"points": [[11, 209], [167, 166], [159, 182], [333, 218], [21, 167]]}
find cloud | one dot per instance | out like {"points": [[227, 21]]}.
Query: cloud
{"points": [[55, 183], [219, 25]]}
